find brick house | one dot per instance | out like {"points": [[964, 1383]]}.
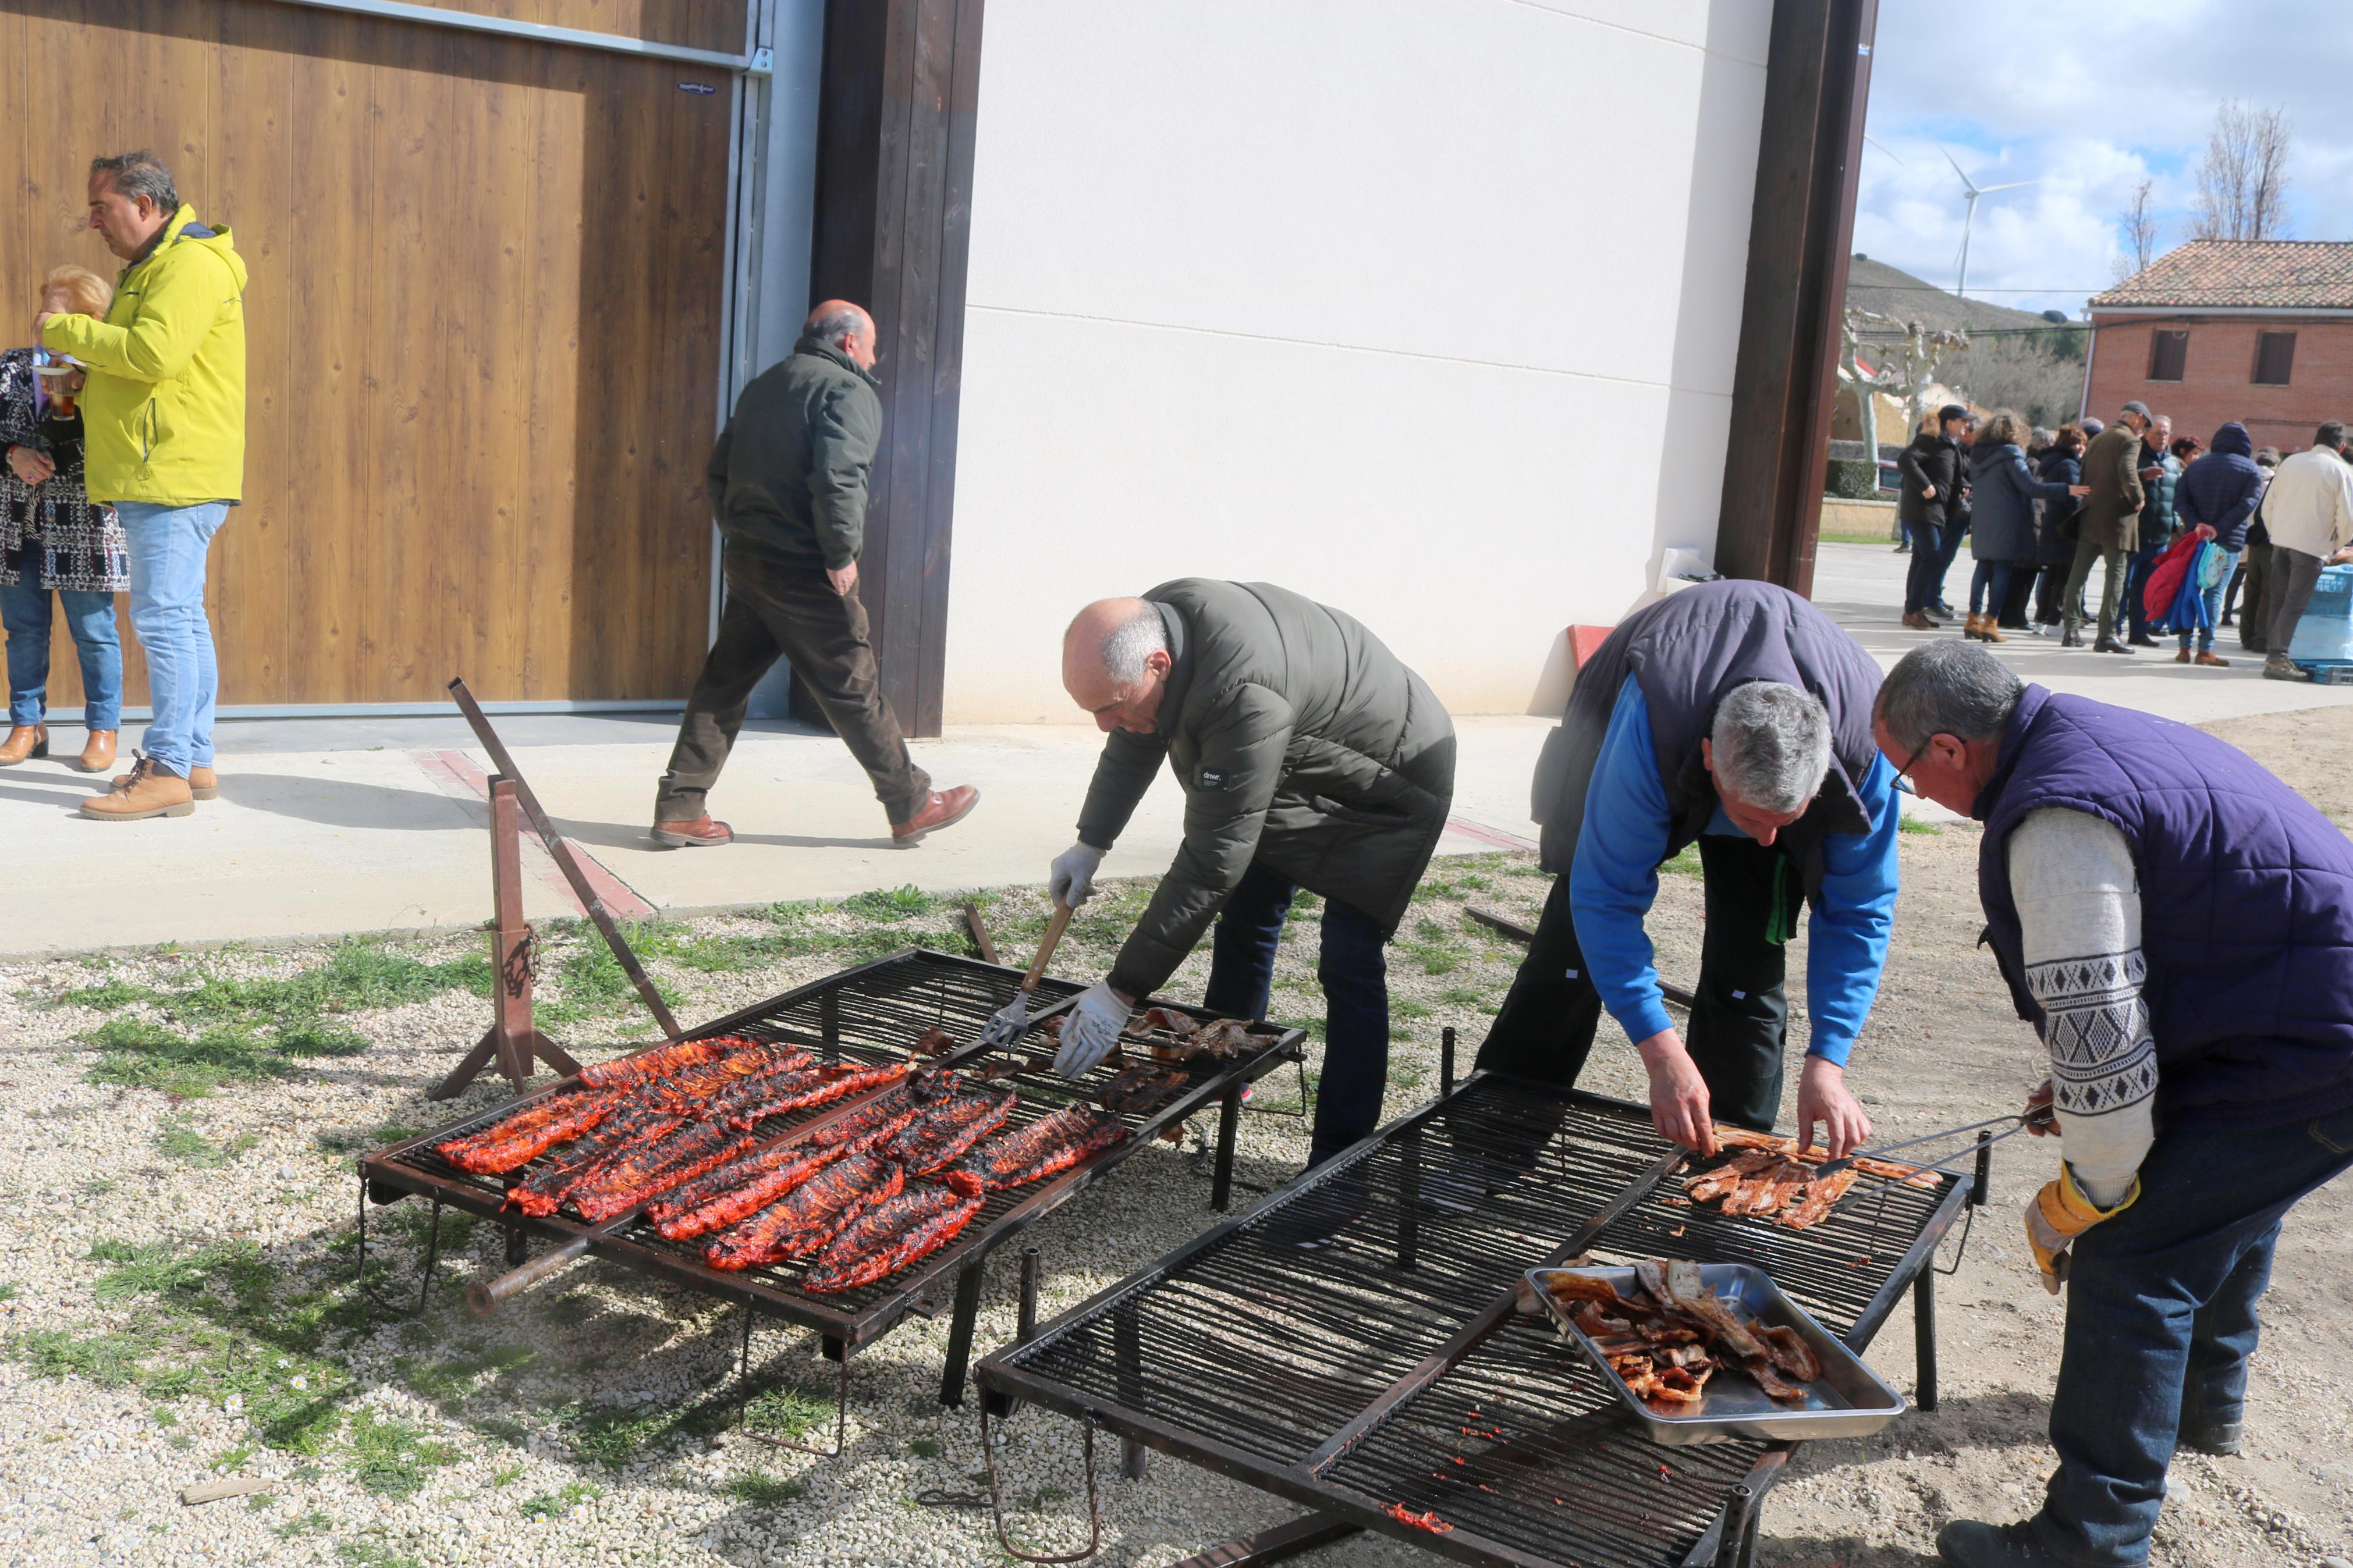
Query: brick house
{"points": [[2257, 331]]}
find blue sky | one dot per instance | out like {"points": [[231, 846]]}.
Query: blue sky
{"points": [[2089, 101]]}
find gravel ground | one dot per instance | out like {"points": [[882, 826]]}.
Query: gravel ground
{"points": [[177, 1295]]}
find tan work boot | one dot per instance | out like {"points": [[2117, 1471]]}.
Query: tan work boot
{"points": [[25, 740], [145, 791], [97, 751], [202, 783]]}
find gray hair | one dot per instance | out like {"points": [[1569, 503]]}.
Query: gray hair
{"points": [[843, 321], [1953, 689], [1772, 745], [140, 173], [1132, 642]]}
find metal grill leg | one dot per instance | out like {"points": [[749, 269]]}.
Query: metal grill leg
{"points": [[1135, 1459], [960, 1327], [432, 1253], [1221, 1184], [518, 1246], [1924, 1335]]}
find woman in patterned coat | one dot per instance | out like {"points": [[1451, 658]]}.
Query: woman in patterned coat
{"points": [[55, 540]]}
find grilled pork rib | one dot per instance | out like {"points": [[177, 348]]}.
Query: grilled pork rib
{"points": [[648, 1169], [529, 1133], [809, 1216], [939, 1136], [688, 1091], [660, 1062], [835, 1083], [893, 1234], [1048, 1144], [586, 1158]]}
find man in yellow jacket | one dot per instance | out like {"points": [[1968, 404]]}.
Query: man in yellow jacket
{"points": [[163, 420]]}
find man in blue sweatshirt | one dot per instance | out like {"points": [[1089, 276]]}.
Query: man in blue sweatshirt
{"points": [[1736, 717]]}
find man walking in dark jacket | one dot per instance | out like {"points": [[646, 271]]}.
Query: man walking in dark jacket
{"points": [[1737, 717], [1930, 500], [1310, 757], [2195, 1005], [787, 482]]}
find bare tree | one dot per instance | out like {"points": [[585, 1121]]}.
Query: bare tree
{"points": [[2242, 180], [1909, 359], [2139, 225]]}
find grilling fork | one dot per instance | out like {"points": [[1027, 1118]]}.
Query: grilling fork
{"points": [[2040, 1116], [1014, 1016]]}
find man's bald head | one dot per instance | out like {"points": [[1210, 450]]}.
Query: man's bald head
{"points": [[1115, 663], [846, 327]]}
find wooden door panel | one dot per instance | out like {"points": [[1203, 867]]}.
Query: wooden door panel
{"points": [[483, 328]]}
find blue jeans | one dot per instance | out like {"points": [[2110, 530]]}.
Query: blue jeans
{"points": [[1924, 580], [167, 611], [2213, 597], [1356, 979], [1989, 576], [2143, 564], [2161, 1319], [90, 617]]}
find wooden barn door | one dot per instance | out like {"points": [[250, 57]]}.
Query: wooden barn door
{"points": [[485, 322]]}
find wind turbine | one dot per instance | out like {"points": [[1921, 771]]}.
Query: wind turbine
{"points": [[1972, 190]]}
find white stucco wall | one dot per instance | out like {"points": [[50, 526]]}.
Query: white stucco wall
{"points": [[1425, 308]]}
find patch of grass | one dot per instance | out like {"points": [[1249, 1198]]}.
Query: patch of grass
{"points": [[767, 1491], [390, 1458], [789, 1411], [163, 1416], [99, 1186], [1465, 997], [612, 1437], [261, 1503], [181, 1141], [1408, 1008], [372, 1554], [356, 976], [139, 1053], [7, 1292], [557, 1504], [1685, 863], [925, 1447], [311, 1038], [109, 996], [108, 1360], [231, 1459], [1914, 824], [592, 985], [1435, 958], [312, 1524], [353, 1141], [506, 1475], [891, 904]]}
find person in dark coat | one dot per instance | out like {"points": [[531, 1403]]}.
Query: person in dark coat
{"points": [[787, 482], [2176, 923], [1930, 501], [2161, 469], [2003, 493], [1310, 757], [2254, 562], [2107, 527], [2060, 463], [1732, 716], [2219, 491]]}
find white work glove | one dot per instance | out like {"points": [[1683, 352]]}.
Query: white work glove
{"points": [[1071, 878], [1091, 1029]]}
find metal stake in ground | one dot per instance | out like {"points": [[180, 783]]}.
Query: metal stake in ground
{"points": [[560, 851], [512, 1038]]}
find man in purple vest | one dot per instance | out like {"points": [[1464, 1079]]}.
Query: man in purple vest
{"points": [[2177, 926], [1736, 717]]}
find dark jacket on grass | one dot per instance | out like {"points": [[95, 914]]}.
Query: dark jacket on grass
{"points": [[787, 479], [2003, 493], [1302, 743], [2221, 489]]}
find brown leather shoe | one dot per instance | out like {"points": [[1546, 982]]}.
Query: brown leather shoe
{"points": [[25, 740], [97, 753], [700, 834], [1918, 622], [2181, 656], [1989, 630], [2207, 656], [945, 809], [202, 783], [146, 791]]}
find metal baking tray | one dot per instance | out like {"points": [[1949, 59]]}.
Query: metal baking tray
{"points": [[1849, 1399]]}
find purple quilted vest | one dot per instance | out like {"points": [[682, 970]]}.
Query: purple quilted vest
{"points": [[2246, 896]]}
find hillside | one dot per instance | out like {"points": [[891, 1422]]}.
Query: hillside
{"points": [[1875, 286]]}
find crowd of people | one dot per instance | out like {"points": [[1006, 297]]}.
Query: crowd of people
{"points": [[2189, 537], [121, 450]]}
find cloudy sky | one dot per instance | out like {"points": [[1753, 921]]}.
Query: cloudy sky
{"points": [[2088, 99]]}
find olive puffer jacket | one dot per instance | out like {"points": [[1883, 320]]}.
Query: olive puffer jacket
{"points": [[1302, 743]]}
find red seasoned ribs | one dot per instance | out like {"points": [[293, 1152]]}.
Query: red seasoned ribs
{"points": [[660, 1062], [808, 1216], [522, 1137], [897, 1232], [1048, 1144], [785, 1095], [653, 1166]]}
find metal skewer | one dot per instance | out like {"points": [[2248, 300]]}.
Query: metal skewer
{"points": [[2038, 1116]]}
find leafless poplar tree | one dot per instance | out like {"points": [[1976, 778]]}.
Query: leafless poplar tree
{"points": [[2140, 232], [2242, 180]]}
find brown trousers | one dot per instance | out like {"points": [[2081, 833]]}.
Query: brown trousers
{"points": [[775, 610]]}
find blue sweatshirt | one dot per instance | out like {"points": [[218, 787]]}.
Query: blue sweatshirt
{"points": [[1616, 878]]}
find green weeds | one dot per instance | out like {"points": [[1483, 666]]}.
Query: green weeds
{"points": [[557, 1504], [1914, 824], [767, 1491], [180, 1140], [390, 1458], [789, 1412]]}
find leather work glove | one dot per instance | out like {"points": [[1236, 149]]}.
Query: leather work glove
{"points": [[2059, 1213], [1090, 1030], [1071, 879]]}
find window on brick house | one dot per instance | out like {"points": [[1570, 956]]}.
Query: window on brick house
{"points": [[2274, 358], [2167, 354]]}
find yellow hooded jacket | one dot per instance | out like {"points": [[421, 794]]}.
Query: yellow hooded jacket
{"points": [[164, 410]]}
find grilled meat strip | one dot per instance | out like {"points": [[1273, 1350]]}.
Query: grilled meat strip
{"points": [[939, 1136], [885, 1115], [1140, 1090], [1159, 1020], [809, 1216], [587, 1157], [660, 1062], [1048, 1144], [737, 1189], [687, 1091], [834, 1083], [891, 1235], [528, 1133], [747, 1091], [1821, 1194], [649, 1169]]}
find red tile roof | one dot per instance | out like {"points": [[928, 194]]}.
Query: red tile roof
{"points": [[2267, 274]]}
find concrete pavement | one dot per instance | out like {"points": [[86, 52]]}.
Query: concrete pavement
{"points": [[368, 825]]}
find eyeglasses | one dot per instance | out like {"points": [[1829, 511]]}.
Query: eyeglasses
{"points": [[1904, 774]]}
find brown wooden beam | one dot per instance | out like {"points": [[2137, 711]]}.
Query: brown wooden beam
{"points": [[1801, 228], [900, 83]]}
